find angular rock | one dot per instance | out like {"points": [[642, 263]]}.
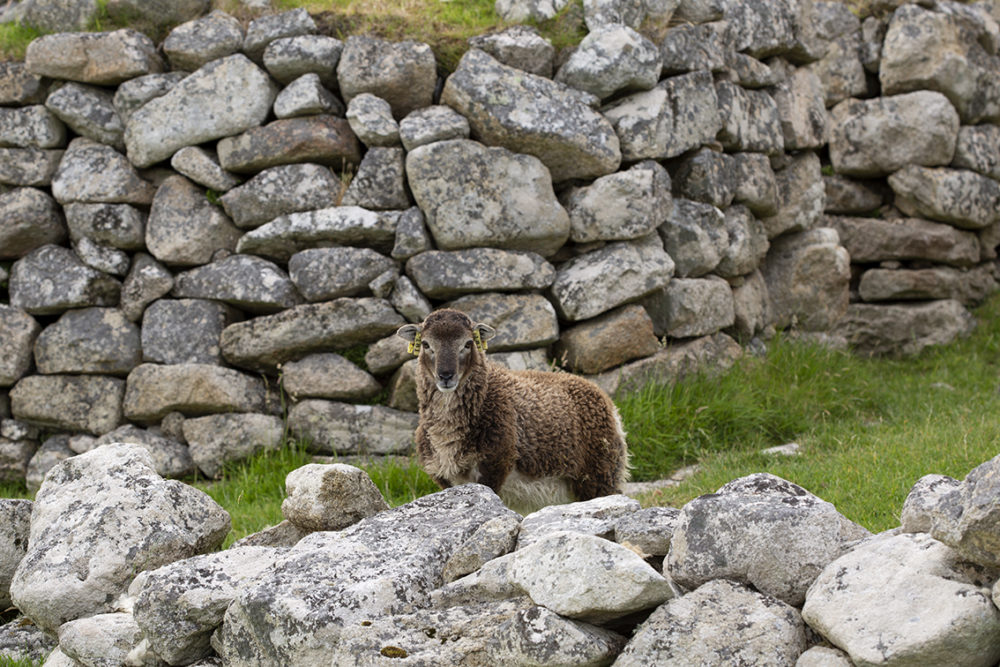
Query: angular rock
{"points": [[153, 391], [29, 219], [330, 496], [264, 30], [597, 517], [902, 330], [223, 98], [13, 541], [380, 182], [695, 237], [160, 14], [94, 173], [278, 191], [759, 629], [20, 639], [841, 72], [340, 225], [331, 427], [750, 120], [621, 206], [121, 226], [679, 114], [801, 102], [518, 46], [371, 120], [518, 11], [196, 43], [100, 58], [327, 375], [691, 307], [430, 124], [923, 507], [608, 340], [386, 355], [101, 639], [497, 537], [264, 342], [126, 519], [446, 274], [511, 205], [807, 277], [28, 166], [968, 518], [692, 47], [801, 196], [755, 183], [31, 127], [15, 456], [849, 196], [88, 111], [529, 114], [18, 331], [89, 340], [849, 604], [306, 96], [938, 282], [184, 331], [871, 240], [134, 93], [51, 279], [170, 458], [243, 281], [215, 440], [748, 244], [408, 301], [611, 59], [706, 176], [978, 148], [618, 273], [146, 282], [289, 58], [537, 636], [203, 168], [877, 137], [521, 320], [101, 257], [323, 274], [402, 73], [184, 228], [20, 87], [649, 530], [179, 605], [322, 139], [956, 196]]}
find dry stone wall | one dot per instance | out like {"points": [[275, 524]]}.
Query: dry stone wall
{"points": [[201, 236]]}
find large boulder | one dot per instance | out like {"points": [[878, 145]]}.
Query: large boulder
{"points": [[444, 274], [612, 58], [808, 276], [124, 518], [76, 403], [100, 58], [89, 340], [402, 73], [957, 196], [153, 391], [332, 427], [904, 329], [872, 240]]}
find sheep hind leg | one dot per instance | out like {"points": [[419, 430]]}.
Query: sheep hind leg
{"points": [[595, 486]]}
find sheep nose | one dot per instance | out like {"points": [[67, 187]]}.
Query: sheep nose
{"points": [[446, 376]]}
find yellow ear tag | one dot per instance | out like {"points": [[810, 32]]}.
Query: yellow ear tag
{"points": [[414, 346], [480, 343]]}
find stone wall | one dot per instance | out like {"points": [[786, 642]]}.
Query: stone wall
{"points": [[201, 237]]}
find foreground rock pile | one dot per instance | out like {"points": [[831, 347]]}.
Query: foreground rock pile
{"points": [[112, 564]]}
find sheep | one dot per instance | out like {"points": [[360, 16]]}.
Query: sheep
{"points": [[534, 437]]}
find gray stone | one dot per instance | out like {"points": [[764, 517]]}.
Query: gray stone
{"points": [[749, 72], [203, 168], [612, 59], [327, 375], [126, 519], [20, 87], [134, 93], [386, 355], [89, 340], [323, 139], [497, 537], [339, 225], [871, 240], [278, 191], [553, 123], [969, 287], [598, 13], [801, 196], [264, 30], [101, 257], [243, 281], [184, 228], [524, 360], [18, 331], [679, 114], [841, 71], [223, 98], [403, 388], [472, 196], [430, 124], [801, 103], [923, 506], [766, 28], [121, 226], [850, 196], [29, 219], [100, 58], [807, 277], [648, 530], [20, 639], [179, 605], [380, 182], [621, 206], [215, 440], [755, 183], [28, 166], [31, 127], [597, 517], [518, 11], [823, 656], [695, 236], [283, 534], [540, 636], [195, 43], [51, 279], [264, 342], [748, 244], [15, 455], [153, 391], [521, 320], [719, 618], [850, 604], [408, 301], [706, 176], [170, 458], [901, 329], [330, 496], [102, 639], [443, 274], [331, 427], [289, 58], [691, 307], [160, 13], [750, 120], [877, 137], [322, 274], [692, 47], [402, 73], [88, 111], [13, 541], [146, 282], [306, 96], [184, 331], [371, 120], [967, 521], [978, 149], [94, 173], [618, 273], [956, 196], [518, 46]]}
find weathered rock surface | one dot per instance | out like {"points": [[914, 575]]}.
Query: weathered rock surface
{"points": [[956, 196], [808, 276], [620, 206], [430, 124], [215, 440], [330, 496], [750, 120], [870, 240], [608, 340], [518, 46], [323, 139], [444, 274], [153, 391], [522, 321], [16, 516], [691, 307], [939, 282], [402, 73], [101, 58], [29, 219], [340, 225], [170, 458], [902, 329], [92, 172], [18, 331], [278, 191], [695, 236], [89, 340], [612, 58], [327, 375], [243, 281], [184, 228], [184, 331], [967, 520], [202, 40], [331, 427], [324, 274], [75, 403]]}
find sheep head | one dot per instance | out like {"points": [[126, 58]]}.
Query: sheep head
{"points": [[448, 344]]}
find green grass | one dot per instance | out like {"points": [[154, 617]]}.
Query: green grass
{"points": [[10, 662]]}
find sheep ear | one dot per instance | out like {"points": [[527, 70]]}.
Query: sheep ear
{"points": [[482, 333], [411, 333]]}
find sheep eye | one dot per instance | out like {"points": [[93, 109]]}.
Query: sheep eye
{"points": [[468, 345], [425, 346]]}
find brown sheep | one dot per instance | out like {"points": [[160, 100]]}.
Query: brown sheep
{"points": [[533, 437]]}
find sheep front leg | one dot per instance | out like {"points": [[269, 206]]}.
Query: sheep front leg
{"points": [[425, 455]]}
